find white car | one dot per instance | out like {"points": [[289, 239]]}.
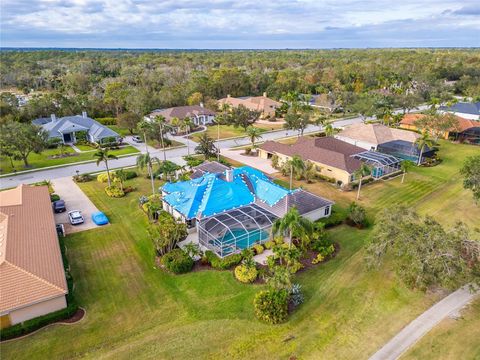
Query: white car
{"points": [[75, 217]]}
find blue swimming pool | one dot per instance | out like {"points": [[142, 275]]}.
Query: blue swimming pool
{"points": [[244, 237]]}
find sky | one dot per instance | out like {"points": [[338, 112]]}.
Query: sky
{"points": [[241, 24]]}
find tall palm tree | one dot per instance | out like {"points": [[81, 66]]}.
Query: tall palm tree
{"points": [[360, 173], [206, 146], [321, 121], [143, 128], [103, 155], [296, 166], [145, 160], [421, 142], [222, 119], [329, 130], [161, 122], [406, 165], [253, 134], [291, 223]]}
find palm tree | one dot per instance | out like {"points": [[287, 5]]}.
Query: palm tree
{"points": [[291, 223], [253, 134], [145, 160], [360, 173], [161, 122], [406, 165], [321, 121], [206, 146], [121, 176], [102, 155], [296, 166], [329, 130], [421, 142], [309, 172]]}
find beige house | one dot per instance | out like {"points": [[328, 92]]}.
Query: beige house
{"points": [[32, 277], [332, 158], [197, 113], [263, 104]]}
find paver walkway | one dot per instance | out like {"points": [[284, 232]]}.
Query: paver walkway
{"points": [[424, 323]]}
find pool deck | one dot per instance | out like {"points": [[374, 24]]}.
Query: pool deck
{"points": [[262, 258]]}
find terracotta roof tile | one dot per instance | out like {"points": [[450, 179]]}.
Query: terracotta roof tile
{"points": [[463, 124]]}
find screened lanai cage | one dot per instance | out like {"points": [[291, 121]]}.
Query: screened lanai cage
{"points": [[234, 230], [382, 164], [405, 150]]}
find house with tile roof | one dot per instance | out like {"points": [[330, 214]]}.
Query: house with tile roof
{"points": [[463, 109], [397, 142], [262, 104], [32, 277], [67, 129], [197, 113], [235, 209]]}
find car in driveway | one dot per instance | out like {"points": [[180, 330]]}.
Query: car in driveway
{"points": [[75, 217], [99, 218], [137, 139], [59, 206]]}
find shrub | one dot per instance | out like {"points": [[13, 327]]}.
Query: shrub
{"points": [[279, 240], [296, 295], [248, 150], [222, 264], [318, 259], [246, 274], [269, 244], [54, 197], [177, 261], [357, 215], [130, 175], [337, 217], [107, 121], [82, 178], [114, 191], [271, 306], [193, 161], [295, 266], [258, 248], [103, 177], [143, 200]]}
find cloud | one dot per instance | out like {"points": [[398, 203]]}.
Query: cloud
{"points": [[238, 24]]}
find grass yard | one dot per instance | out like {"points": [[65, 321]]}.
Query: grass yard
{"points": [[452, 339], [85, 147], [156, 144], [42, 160], [121, 131], [136, 311], [229, 131]]}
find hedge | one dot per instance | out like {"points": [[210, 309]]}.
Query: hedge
{"points": [[271, 306], [222, 264], [41, 321], [177, 261], [107, 121]]}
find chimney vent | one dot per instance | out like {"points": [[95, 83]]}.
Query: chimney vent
{"points": [[84, 114], [201, 104], [54, 118], [264, 94], [229, 175], [228, 95]]}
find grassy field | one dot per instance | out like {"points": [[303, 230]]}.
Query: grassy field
{"points": [[135, 310], [452, 339], [42, 160], [229, 131]]}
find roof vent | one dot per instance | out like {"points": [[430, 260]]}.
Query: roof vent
{"points": [[229, 175], [84, 114], [54, 118]]}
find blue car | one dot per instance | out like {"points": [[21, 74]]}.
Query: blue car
{"points": [[99, 218]]}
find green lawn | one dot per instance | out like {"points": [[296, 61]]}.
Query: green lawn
{"points": [[42, 160], [85, 147], [121, 131], [229, 131]]}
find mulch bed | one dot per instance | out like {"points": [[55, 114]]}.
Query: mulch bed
{"points": [[310, 255], [79, 314], [62, 156]]}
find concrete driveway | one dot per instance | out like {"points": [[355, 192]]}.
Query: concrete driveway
{"points": [[264, 165], [75, 199]]}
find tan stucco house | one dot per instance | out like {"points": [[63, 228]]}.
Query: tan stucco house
{"points": [[332, 158], [263, 104], [32, 277]]}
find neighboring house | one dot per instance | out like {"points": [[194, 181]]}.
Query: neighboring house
{"points": [[262, 104], [32, 277], [208, 167], [466, 131], [197, 113], [332, 158], [397, 142], [234, 210], [465, 110], [67, 128]]}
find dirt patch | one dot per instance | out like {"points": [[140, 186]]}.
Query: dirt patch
{"points": [[61, 156]]}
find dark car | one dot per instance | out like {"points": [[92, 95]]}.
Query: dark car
{"points": [[137, 139], [59, 206]]}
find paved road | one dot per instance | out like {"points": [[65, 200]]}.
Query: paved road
{"points": [[175, 155], [414, 331]]}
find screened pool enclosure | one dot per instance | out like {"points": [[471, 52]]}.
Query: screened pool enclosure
{"points": [[381, 164], [232, 231]]}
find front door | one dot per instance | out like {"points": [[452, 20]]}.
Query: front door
{"points": [[67, 138]]}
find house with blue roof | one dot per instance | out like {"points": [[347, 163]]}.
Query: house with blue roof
{"points": [[235, 209], [463, 109], [66, 128]]}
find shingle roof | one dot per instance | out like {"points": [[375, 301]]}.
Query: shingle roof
{"points": [[68, 124], [182, 112], [31, 267], [463, 124], [377, 133], [257, 103], [212, 167], [462, 107], [325, 150]]}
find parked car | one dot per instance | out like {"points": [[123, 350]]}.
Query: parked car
{"points": [[137, 139], [99, 218], [75, 217], [59, 206]]}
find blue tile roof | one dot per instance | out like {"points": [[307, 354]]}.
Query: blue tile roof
{"points": [[212, 194]]}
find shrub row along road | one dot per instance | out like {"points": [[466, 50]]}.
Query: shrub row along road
{"points": [[175, 155]]}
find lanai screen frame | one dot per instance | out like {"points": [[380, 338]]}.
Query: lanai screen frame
{"points": [[388, 163], [255, 220]]}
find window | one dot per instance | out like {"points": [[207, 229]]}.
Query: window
{"points": [[327, 211]]}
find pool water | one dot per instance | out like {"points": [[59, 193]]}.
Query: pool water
{"points": [[243, 240]]}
